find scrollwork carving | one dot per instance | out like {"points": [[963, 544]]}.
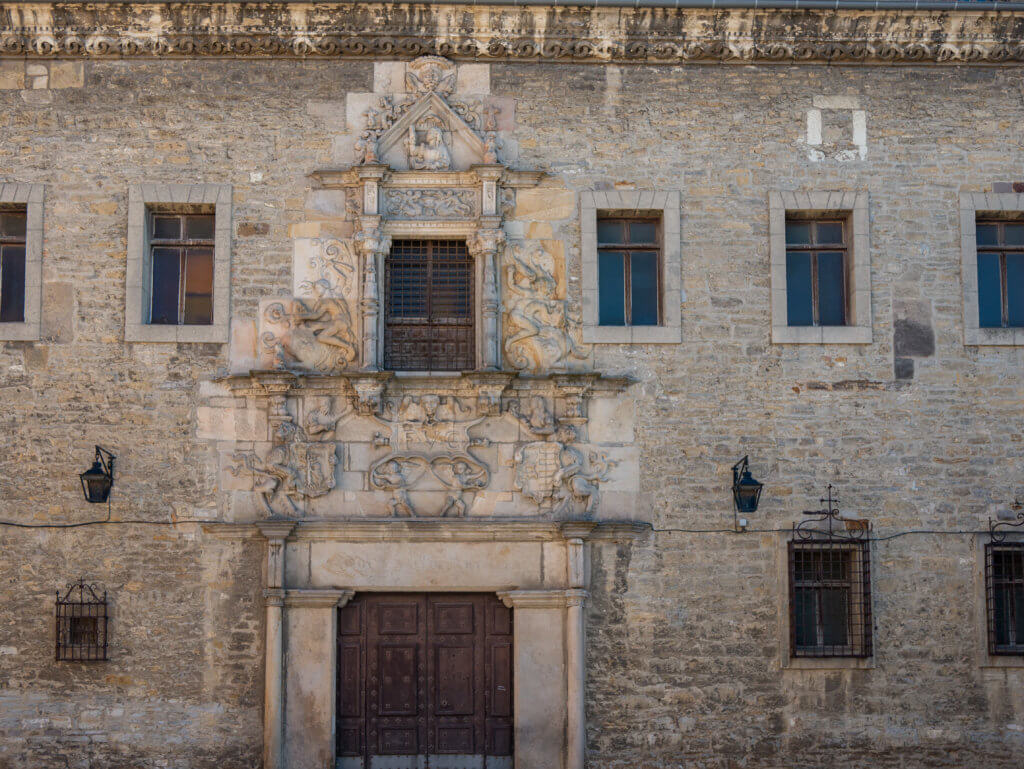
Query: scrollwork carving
{"points": [[423, 204]]}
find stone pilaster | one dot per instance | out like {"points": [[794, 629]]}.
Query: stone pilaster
{"points": [[372, 245], [485, 244]]}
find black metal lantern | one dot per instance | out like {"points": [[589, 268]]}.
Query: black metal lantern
{"points": [[97, 480], [746, 492]]}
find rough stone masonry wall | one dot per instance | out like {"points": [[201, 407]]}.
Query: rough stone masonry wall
{"points": [[684, 651]]}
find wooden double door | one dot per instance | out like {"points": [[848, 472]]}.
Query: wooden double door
{"points": [[424, 682]]}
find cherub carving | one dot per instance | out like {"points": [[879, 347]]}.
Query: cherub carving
{"points": [[397, 475], [329, 320], [573, 480], [458, 475], [430, 74]]}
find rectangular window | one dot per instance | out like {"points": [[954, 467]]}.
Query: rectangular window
{"points": [[12, 265], [428, 314], [816, 268], [1000, 274], [628, 271], [81, 624], [181, 253], [830, 599], [1004, 589]]}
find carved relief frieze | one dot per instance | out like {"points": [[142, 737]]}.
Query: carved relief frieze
{"points": [[419, 449], [429, 203], [315, 334]]}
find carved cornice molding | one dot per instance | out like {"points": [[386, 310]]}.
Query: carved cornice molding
{"points": [[317, 598], [542, 599], [332, 30], [439, 530]]}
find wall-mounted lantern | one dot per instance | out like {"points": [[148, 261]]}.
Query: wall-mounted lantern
{"points": [[97, 480], [746, 492]]}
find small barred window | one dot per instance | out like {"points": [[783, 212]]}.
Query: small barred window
{"points": [[830, 599], [1004, 593], [81, 624]]}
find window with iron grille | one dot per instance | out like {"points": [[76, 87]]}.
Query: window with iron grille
{"points": [[628, 271], [428, 315], [181, 258], [829, 599], [1004, 596], [12, 265], [816, 266], [1000, 274], [81, 624]]}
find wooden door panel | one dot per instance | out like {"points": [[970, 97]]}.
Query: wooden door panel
{"points": [[423, 675]]}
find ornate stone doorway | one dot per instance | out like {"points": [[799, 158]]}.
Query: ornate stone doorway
{"points": [[424, 680]]}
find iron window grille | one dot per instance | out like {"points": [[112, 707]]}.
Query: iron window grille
{"points": [[1000, 273], [181, 258], [1004, 597], [830, 586], [629, 271], [12, 265], [817, 264], [428, 314], [82, 624]]}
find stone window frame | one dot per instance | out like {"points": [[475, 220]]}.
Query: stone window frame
{"points": [[985, 658], [853, 206], [138, 274], [972, 206], [663, 203], [788, 662], [32, 197]]}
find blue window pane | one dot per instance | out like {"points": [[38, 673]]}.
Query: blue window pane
{"points": [[804, 623], [988, 234], [643, 275], [165, 286], [798, 233], [799, 300], [1013, 234], [610, 232], [1015, 289], [643, 232], [611, 283], [831, 304], [830, 232], [12, 284], [990, 295]]}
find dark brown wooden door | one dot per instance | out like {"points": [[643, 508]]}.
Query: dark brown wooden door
{"points": [[427, 676]]}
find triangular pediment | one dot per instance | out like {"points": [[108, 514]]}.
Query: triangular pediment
{"points": [[445, 141]]}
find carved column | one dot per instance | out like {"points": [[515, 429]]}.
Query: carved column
{"points": [[273, 713], [372, 244], [485, 245]]}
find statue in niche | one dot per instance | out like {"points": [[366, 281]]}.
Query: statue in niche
{"points": [[432, 154]]}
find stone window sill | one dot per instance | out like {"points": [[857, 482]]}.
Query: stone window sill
{"points": [[216, 334], [996, 337], [19, 332], [821, 335], [632, 335], [828, 663]]}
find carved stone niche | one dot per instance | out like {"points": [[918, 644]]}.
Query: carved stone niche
{"points": [[375, 445]]}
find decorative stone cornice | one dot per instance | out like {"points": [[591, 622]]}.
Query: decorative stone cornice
{"points": [[354, 30], [440, 530], [542, 599], [317, 598]]}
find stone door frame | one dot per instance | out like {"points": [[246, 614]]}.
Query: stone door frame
{"points": [[538, 568]]}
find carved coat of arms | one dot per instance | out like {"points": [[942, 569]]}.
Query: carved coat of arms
{"points": [[537, 464]]}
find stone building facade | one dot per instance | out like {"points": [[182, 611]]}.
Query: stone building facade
{"points": [[298, 469]]}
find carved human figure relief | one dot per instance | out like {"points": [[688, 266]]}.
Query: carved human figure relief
{"points": [[431, 153], [430, 74], [538, 332], [315, 333], [295, 468]]}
